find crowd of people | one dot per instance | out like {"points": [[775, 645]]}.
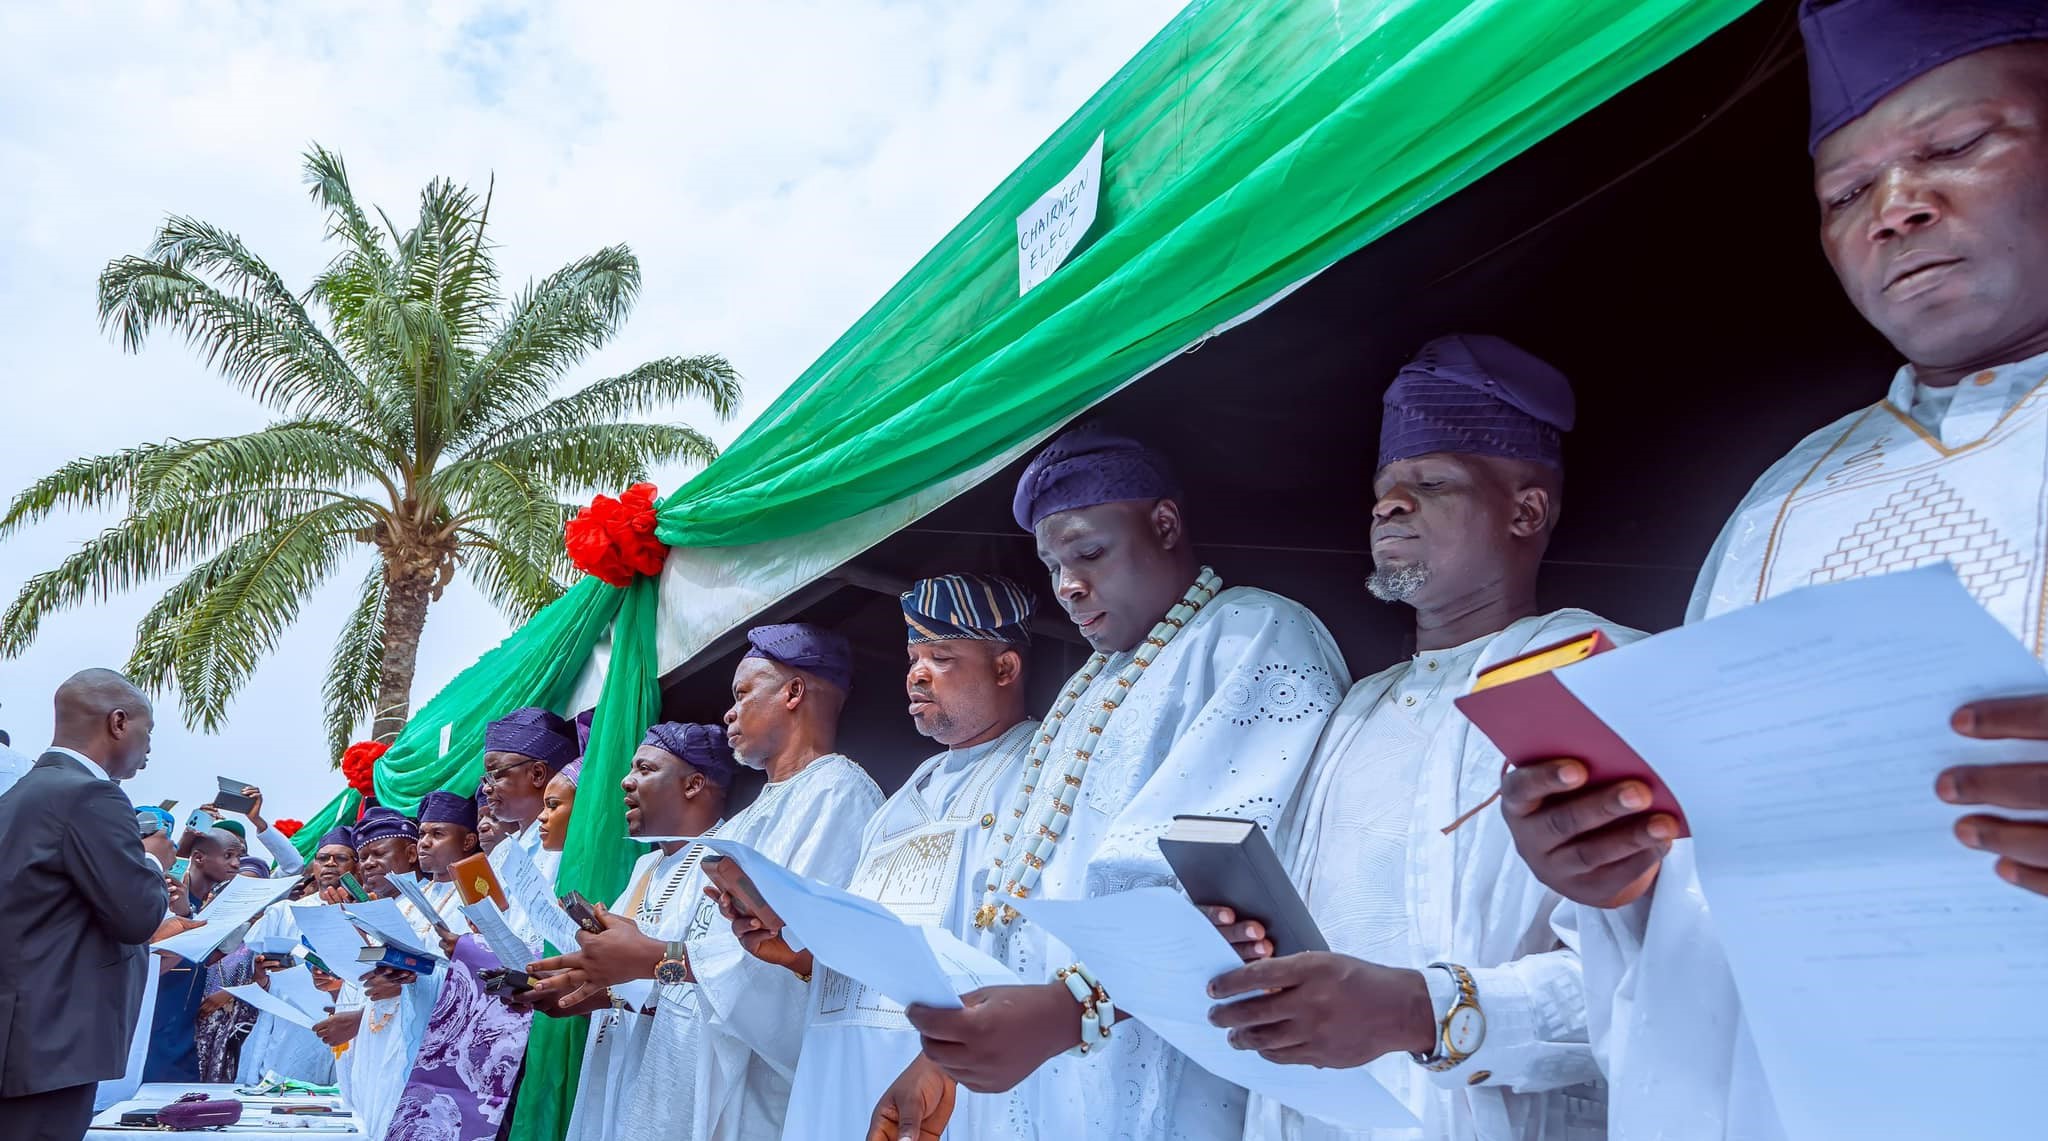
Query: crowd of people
{"points": [[1528, 957]]}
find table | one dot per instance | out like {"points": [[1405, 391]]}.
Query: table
{"points": [[257, 1120]]}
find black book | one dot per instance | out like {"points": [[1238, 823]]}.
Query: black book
{"points": [[1224, 861], [231, 798]]}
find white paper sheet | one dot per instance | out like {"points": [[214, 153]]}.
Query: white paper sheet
{"points": [[295, 986], [863, 940], [409, 886], [498, 935], [1872, 951], [1155, 954], [270, 1004], [382, 919], [333, 938], [1049, 231], [231, 909], [528, 887]]}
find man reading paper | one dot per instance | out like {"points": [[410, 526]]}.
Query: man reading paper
{"points": [[1930, 143], [1189, 681], [1445, 980]]}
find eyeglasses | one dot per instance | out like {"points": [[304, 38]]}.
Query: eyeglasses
{"points": [[506, 770]]}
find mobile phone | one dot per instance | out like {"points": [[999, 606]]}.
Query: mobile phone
{"points": [[179, 867], [746, 897], [579, 909], [501, 980], [354, 887]]}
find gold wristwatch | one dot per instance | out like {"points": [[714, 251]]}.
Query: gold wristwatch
{"points": [[674, 967], [1461, 1024]]}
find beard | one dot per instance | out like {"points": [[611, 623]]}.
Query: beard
{"points": [[1397, 583]]}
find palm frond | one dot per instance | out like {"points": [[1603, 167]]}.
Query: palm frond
{"points": [[551, 325], [306, 453], [350, 692], [656, 385], [91, 482], [209, 632], [517, 585], [515, 508], [277, 356], [595, 457], [327, 182]]}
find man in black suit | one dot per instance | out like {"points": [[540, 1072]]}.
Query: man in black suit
{"points": [[78, 903]]}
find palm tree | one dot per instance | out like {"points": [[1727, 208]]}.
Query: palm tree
{"points": [[416, 418]]}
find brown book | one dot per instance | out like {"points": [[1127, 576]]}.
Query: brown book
{"points": [[1530, 716], [475, 881]]}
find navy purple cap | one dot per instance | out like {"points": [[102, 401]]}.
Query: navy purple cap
{"points": [[967, 607], [533, 732], [440, 807], [1471, 394], [339, 834], [251, 866], [802, 646], [702, 747], [583, 722], [1087, 466], [381, 823], [1859, 51]]}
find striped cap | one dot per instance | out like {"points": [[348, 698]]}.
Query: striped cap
{"points": [[960, 607]]}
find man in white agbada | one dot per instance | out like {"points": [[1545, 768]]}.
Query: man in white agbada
{"points": [[388, 1027], [1419, 891], [1198, 700], [723, 1046], [924, 853], [1930, 136], [274, 1045], [677, 787]]}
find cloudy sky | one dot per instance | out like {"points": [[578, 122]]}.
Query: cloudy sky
{"points": [[776, 166]]}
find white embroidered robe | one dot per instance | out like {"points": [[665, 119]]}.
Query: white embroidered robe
{"points": [[274, 1045], [373, 1070], [722, 1050], [1925, 476], [1223, 723], [923, 856], [612, 1055], [1366, 846]]}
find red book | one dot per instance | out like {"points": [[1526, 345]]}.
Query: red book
{"points": [[1530, 716]]}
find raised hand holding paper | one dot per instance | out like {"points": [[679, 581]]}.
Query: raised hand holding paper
{"points": [[232, 907], [1871, 951]]}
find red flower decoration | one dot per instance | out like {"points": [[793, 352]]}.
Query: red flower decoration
{"points": [[614, 538], [359, 765], [288, 827]]}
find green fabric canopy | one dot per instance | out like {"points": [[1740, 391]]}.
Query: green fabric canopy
{"points": [[1246, 148]]}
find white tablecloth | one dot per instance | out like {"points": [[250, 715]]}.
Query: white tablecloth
{"points": [[257, 1120]]}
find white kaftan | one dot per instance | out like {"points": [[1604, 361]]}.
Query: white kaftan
{"points": [[923, 856], [1925, 476], [1365, 842], [375, 1067], [1223, 723], [661, 895], [275, 1046], [722, 1049]]}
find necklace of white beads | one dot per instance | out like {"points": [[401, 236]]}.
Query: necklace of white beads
{"points": [[1030, 841]]}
